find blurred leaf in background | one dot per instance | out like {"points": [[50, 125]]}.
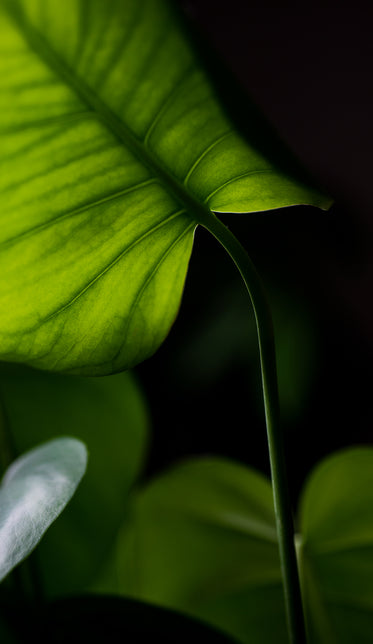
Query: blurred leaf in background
{"points": [[110, 416], [201, 539], [336, 548]]}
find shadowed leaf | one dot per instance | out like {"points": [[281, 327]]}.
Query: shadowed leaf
{"points": [[336, 552], [202, 540], [110, 416], [96, 618]]}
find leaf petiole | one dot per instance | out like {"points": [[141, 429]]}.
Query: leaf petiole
{"points": [[284, 519]]}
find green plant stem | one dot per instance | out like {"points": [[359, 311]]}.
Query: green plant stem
{"points": [[284, 519]]}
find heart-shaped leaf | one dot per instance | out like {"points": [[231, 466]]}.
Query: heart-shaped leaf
{"points": [[34, 491], [202, 540], [113, 146], [109, 415], [336, 549]]}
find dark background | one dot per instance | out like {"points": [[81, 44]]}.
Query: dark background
{"points": [[309, 71]]}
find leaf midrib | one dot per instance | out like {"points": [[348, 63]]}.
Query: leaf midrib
{"points": [[113, 123]]}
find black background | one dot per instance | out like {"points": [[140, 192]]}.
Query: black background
{"points": [[309, 70]]}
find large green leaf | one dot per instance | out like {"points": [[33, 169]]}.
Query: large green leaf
{"points": [[336, 550], [202, 540], [110, 416], [34, 491], [112, 145]]}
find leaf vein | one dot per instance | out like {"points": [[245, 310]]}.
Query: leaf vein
{"points": [[62, 119], [113, 263], [236, 178], [152, 273], [167, 103], [205, 153], [62, 165], [116, 56], [114, 123], [78, 211]]}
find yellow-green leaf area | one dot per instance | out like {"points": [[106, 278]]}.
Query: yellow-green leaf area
{"points": [[112, 144]]}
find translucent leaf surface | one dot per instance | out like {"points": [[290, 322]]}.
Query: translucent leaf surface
{"points": [[34, 491], [112, 145], [336, 550], [110, 416], [202, 540]]}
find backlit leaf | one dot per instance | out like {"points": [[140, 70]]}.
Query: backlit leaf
{"points": [[112, 144]]}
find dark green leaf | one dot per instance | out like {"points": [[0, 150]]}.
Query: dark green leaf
{"points": [[34, 491], [93, 618], [336, 550], [202, 540], [113, 144], [110, 416]]}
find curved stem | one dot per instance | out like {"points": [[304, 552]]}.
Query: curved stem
{"points": [[284, 520]]}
